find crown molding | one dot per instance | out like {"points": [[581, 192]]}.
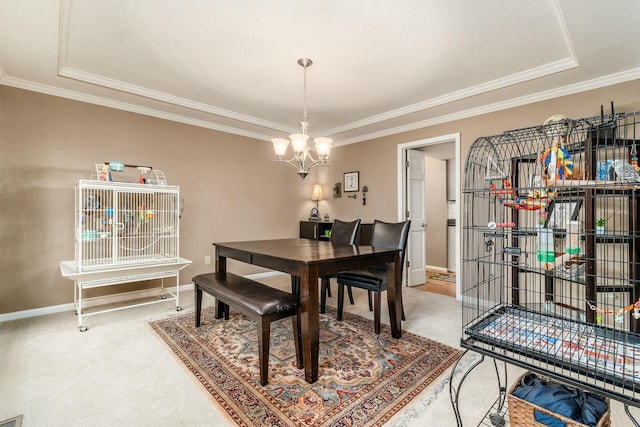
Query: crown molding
{"points": [[531, 74], [609, 80], [592, 84], [104, 102], [3, 75], [120, 86]]}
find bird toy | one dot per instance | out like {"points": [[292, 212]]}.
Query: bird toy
{"points": [[634, 158], [493, 225], [618, 314], [508, 197], [557, 161]]}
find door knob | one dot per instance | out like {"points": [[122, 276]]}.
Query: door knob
{"points": [[424, 225]]}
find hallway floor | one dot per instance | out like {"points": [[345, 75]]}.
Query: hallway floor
{"points": [[439, 283]]}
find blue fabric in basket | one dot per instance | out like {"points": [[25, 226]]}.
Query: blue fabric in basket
{"points": [[580, 406]]}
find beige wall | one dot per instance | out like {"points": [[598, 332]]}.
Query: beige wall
{"points": [[232, 189], [377, 159]]}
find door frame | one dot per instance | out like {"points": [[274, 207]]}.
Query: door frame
{"points": [[402, 185]]}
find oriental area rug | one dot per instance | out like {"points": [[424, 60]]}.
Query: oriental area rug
{"points": [[364, 378]]}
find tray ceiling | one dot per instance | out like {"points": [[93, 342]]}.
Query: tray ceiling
{"points": [[379, 67]]}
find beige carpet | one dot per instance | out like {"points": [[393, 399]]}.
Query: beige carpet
{"points": [[119, 373]]}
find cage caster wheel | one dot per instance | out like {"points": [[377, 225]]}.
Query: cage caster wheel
{"points": [[82, 328], [178, 308], [163, 297]]}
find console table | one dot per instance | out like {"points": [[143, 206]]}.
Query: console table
{"points": [[316, 230]]}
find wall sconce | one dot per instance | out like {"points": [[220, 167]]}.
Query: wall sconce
{"points": [[337, 190], [365, 190]]}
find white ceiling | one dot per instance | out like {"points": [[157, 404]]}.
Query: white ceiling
{"points": [[380, 67]]}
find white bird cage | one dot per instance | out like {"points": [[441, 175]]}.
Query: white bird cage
{"points": [[125, 224], [126, 230]]}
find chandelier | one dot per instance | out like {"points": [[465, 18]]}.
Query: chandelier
{"points": [[299, 140]]}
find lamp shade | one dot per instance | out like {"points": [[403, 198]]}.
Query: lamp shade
{"points": [[280, 146], [323, 147], [299, 143], [317, 192]]}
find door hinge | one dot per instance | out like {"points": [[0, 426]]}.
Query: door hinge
{"points": [[406, 164], [407, 213], [408, 264]]}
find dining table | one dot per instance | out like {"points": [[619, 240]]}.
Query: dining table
{"points": [[308, 260]]}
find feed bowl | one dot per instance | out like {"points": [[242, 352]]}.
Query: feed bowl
{"points": [[116, 166]]}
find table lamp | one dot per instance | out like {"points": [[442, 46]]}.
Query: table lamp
{"points": [[316, 196]]}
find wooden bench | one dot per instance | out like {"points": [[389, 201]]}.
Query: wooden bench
{"points": [[259, 302]]}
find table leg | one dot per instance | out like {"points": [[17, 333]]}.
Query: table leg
{"points": [[310, 322], [221, 261], [394, 296], [222, 310]]}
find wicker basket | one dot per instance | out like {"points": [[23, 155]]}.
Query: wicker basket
{"points": [[521, 412]]}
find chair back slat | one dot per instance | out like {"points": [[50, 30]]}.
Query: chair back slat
{"points": [[344, 233]]}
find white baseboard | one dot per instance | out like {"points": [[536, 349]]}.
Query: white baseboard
{"points": [[89, 302], [108, 299]]}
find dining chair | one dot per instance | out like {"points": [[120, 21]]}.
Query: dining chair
{"points": [[342, 233], [374, 279]]}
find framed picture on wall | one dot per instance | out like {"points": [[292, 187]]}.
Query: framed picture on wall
{"points": [[351, 181]]}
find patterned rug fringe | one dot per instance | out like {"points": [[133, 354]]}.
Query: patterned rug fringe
{"points": [[416, 412]]}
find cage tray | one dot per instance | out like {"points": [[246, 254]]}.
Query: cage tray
{"points": [[611, 356]]}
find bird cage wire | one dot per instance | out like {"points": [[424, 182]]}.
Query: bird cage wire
{"points": [[125, 224], [544, 286]]}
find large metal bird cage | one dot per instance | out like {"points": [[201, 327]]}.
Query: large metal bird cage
{"points": [[124, 232], [551, 251]]}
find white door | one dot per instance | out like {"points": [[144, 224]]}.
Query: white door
{"points": [[415, 202]]}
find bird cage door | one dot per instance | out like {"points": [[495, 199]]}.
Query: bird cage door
{"points": [[146, 227]]}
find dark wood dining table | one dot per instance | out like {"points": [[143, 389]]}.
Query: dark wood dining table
{"points": [[308, 260]]}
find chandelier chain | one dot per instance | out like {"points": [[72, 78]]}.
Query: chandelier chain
{"points": [[304, 91]]}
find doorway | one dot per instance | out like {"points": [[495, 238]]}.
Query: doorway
{"points": [[442, 147]]}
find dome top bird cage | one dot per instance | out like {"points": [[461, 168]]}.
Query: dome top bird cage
{"points": [[542, 286]]}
